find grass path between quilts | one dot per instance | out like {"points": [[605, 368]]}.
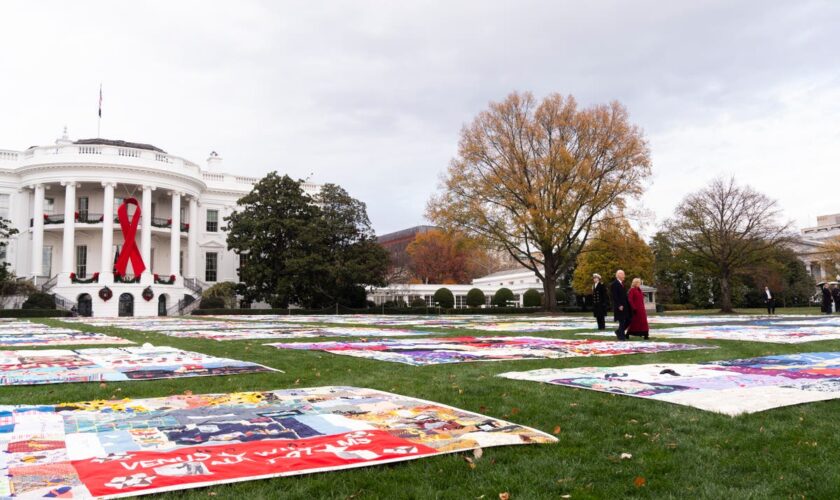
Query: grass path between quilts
{"points": [[677, 451]]}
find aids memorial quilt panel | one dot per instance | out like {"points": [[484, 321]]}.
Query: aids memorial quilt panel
{"points": [[133, 447], [781, 334], [729, 387], [22, 333], [54, 366], [434, 351], [171, 324], [531, 326]]}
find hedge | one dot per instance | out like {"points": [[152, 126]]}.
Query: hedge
{"points": [[444, 298], [380, 310], [531, 298], [502, 297], [476, 298], [33, 313]]}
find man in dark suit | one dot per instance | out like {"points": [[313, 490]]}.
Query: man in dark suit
{"points": [[599, 301], [621, 308], [770, 301], [826, 298]]}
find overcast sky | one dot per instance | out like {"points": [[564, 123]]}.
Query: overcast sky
{"points": [[372, 95]]}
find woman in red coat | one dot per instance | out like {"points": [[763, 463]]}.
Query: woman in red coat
{"points": [[638, 319]]}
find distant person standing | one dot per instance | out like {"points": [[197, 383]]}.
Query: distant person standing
{"points": [[638, 324], [826, 299], [621, 308], [770, 301], [835, 295], [599, 301]]}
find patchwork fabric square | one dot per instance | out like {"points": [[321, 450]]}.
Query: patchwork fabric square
{"points": [[434, 351], [27, 367], [23, 333], [109, 449], [729, 387], [781, 333]]}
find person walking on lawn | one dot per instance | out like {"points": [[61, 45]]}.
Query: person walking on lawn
{"points": [[621, 308], [638, 324]]}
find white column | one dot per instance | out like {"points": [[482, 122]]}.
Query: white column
{"points": [[192, 239], [38, 231], [146, 230], [68, 244], [106, 269], [175, 239]]}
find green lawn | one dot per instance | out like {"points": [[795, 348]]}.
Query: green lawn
{"points": [[677, 452]]}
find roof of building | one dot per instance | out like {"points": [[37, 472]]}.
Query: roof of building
{"points": [[402, 234], [119, 143]]}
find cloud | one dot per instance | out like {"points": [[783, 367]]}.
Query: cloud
{"points": [[372, 94]]}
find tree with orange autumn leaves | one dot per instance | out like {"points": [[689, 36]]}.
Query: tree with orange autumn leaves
{"points": [[447, 257], [537, 177]]}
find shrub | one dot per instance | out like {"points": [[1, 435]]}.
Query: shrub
{"points": [[226, 291], [444, 298], [212, 303], [39, 300], [476, 298], [418, 303], [531, 298], [502, 297]]}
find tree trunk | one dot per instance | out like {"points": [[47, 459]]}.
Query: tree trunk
{"points": [[549, 286], [550, 294], [725, 294]]}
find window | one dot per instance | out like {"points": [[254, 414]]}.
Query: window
{"points": [[181, 263], [49, 205], [210, 266], [4, 206], [212, 221], [81, 261], [46, 261], [84, 204]]}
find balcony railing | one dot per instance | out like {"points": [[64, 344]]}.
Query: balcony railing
{"points": [[89, 218], [161, 222]]}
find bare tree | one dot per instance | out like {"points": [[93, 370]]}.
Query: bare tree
{"points": [[535, 178], [728, 228]]}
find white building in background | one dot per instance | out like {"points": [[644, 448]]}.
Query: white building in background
{"points": [[517, 281], [809, 246], [63, 199]]}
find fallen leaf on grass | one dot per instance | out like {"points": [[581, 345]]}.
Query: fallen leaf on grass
{"points": [[514, 411], [626, 456], [478, 453], [639, 481], [504, 495], [103, 385], [188, 393], [556, 430]]}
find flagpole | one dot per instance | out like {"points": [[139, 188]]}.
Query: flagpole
{"points": [[99, 120]]}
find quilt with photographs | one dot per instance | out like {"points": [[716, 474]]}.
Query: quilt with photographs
{"points": [[781, 334], [57, 366], [109, 449], [729, 387], [22, 333], [435, 351]]}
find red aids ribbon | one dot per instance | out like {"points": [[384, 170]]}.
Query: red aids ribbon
{"points": [[129, 249]]}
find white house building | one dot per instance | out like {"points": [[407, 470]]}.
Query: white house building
{"points": [[517, 281], [64, 201]]}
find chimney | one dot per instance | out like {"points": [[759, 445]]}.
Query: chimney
{"points": [[213, 161]]}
